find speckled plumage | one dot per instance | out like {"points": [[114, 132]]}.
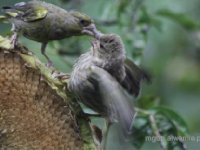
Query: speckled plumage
{"points": [[111, 58], [98, 77], [103, 77]]}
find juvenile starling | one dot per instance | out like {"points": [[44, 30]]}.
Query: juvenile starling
{"points": [[103, 77], [44, 22]]}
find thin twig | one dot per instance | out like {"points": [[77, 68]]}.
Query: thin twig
{"points": [[156, 131]]}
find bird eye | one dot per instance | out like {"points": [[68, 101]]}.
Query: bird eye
{"points": [[102, 46], [112, 40], [84, 23]]}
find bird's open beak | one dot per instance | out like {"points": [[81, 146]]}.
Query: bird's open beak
{"points": [[92, 31]]}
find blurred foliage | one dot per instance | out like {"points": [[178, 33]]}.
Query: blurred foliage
{"points": [[162, 36], [159, 123], [182, 19]]}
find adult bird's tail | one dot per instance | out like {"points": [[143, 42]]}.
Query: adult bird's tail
{"points": [[9, 12]]}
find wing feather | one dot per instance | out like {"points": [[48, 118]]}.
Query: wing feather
{"points": [[26, 11], [134, 77]]}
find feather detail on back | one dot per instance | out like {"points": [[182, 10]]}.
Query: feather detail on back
{"points": [[27, 12]]}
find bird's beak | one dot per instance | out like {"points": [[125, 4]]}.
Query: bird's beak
{"points": [[92, 31]]}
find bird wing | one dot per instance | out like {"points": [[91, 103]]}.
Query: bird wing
{"points": [[134, 76], [115, 98], [26, 11]]}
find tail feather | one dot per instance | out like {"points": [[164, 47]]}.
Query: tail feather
{"points": [[6, 7], [9, 11]]}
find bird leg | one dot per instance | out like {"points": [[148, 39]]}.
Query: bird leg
{"points": [[14, 37], [60, 75], [43, 47]]}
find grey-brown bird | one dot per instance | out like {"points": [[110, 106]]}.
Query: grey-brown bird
{"points": [[103, 79], [44, 22]]}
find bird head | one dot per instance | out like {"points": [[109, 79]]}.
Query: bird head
{"points": [[84, 24], [111, 43], [108, 46], [82, 18]]}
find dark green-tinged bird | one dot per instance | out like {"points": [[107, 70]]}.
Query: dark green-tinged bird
{"points": [[44, 22], [103, 77]]}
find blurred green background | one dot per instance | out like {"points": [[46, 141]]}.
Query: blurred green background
{"points": [[163, 36]]}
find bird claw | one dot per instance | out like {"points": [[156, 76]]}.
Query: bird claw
{"points": [[60, 75], [13, 40], [49, 64]]}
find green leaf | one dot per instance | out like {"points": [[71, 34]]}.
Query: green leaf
{"points": [[146, 18], [139, 131], [180, 18], [177, 120], [147, 102], [122, 5], [5, 43], [166, 123], [86, 134], [156, 23]]}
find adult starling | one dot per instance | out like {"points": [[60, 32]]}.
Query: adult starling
{"points": [[103, 77], [44, 22]]}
